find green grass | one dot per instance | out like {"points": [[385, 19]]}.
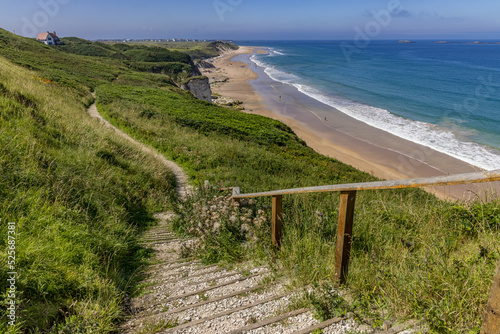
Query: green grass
{"points": [[158, 327], [153, 59], [80, 197], [82, 74], [413, 256], [197, 50], [78, 194], [133, 52], [219, 144]]}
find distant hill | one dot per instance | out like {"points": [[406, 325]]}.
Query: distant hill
{"points": [[197, 50], [174, 59], [177, 65], [119, 56]]}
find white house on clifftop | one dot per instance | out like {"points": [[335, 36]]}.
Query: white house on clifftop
{"points": [[48, 38]]}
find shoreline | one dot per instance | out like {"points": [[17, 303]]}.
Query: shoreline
{"points": [[344, 138]]}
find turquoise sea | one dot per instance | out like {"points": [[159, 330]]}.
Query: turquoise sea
{"points": [[442, 95]]}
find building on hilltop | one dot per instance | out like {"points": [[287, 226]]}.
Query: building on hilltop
{"points": [[48, 38]]}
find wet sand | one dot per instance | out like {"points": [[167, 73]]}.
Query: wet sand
{"points": [[334, 134]]}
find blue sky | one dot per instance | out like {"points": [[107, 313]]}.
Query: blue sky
{"points": [[255, 19]]}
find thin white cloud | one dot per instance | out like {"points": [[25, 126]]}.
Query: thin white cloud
{"points": [[434, 16]]}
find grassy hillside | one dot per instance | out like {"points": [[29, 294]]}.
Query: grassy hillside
{"points": [[197, 50], [177, 65], [413, 255], [80, 196], [77, 194]]}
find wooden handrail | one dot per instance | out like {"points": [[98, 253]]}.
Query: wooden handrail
{"points": [[477, 177], [346, 217]]}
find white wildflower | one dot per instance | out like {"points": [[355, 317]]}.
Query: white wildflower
{"points": [[216, 227]]}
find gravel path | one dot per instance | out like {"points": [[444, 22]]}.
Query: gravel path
{"points": [[203, 299], [184, 296], [181, 179]]}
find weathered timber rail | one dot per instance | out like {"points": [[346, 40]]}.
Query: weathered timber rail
{"points": [[346, 216]]}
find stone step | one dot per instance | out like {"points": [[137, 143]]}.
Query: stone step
{"points": [[165, 241], [164, 315], [321, 325], [184, 277], [206, 320], [159, 234], [269, 321], [179, 260]]}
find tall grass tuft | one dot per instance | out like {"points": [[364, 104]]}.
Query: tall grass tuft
{"points": [[78, 196]]}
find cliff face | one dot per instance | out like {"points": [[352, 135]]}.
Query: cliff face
{"points": [[204, 64], [200, 87]]}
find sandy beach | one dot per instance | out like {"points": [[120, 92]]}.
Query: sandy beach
{"points": [[353, 142]]}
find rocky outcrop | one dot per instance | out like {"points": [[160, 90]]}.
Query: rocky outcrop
{"points": [[204, 64], [227, 101], [199, 87]]}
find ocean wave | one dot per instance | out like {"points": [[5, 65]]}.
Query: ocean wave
{"points": [[430, 135], [275, 74], [256, 61], [272, 52]]}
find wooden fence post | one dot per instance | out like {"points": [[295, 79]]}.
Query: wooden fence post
{"points": [[277, 220], [491, 324], [344, 234], [236, 192]]}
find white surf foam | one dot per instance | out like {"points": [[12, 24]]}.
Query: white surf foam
{"points": [[438, 138], [273, 52]]}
